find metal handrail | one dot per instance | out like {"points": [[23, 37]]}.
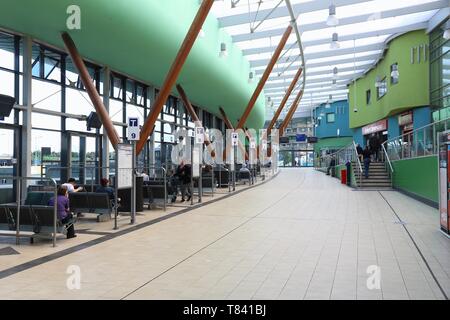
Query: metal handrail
{"points": [[359, 164], [19, 196], [388, 160], [416, 130], [357, 157]]}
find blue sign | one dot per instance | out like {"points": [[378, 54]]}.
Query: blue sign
{"points": [[301, 138], [133, 129]]}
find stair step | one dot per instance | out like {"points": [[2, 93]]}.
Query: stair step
{"points": [[375, 177], [371, 183]]}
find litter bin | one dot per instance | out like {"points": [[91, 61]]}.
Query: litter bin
{"points": [[344, 176], [349, 168]]}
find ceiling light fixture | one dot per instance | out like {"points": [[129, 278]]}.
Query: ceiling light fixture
{"points": [[223, 50], [335, 73], [332, 20], [334, 84], [335, 41], [251, 76]]}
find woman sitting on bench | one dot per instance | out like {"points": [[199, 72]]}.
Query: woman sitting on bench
{"points": [[105, 188], [63, 211]]}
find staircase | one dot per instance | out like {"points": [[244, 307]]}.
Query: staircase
{"points": [[378, 176]]}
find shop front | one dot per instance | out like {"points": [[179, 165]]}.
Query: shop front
{"points": [[377, 131], [406, 122]]}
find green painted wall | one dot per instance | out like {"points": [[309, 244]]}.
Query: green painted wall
{"points": [[411, 91], [141, 38], [332, 143], [418, 176]]}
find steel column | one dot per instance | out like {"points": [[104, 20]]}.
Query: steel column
{"points": [[26, 114], [264, 78], [174, 72]]}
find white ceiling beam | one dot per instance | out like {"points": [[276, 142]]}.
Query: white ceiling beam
{"points": [[438, 18], [356, 36], [346, 21], [317, 95], [340, 83], [282, 11], [324, 54], [290, 77], [372, 58], [348, 78], [281, 94]]}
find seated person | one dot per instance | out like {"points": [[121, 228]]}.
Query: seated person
{"points": [[70, 186], [63, 211], [105, 188], [145, 176]]}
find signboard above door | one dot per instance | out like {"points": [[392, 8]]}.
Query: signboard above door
{"points": [[381, 125]]}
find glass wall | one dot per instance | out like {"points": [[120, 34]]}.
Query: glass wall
{"points": [[60, 136], [440, 75]]}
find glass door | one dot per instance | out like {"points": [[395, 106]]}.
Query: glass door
{"points": [[9, 151], [83, 158]]}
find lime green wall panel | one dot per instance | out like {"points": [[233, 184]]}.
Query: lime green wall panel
{"points": [[418, 176], [333, 143], [411, 91], [141, 38]]}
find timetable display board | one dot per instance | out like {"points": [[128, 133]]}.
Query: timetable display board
{"points": [[444, 181], [196, 162], [124, 164]]}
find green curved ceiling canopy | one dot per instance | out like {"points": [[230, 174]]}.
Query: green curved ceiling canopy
{"points": [[141, 38]]}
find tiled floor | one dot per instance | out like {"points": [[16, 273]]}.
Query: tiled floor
{"points": [[299, 236]]}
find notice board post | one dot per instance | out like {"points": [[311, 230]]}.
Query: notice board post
{"points": [[124, 174]]}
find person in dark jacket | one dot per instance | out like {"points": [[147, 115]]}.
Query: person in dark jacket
{"points": [[184, 176], [63, 210], [332, 166], [105, 188], [374, 143], [367, 160], [360, 151]]}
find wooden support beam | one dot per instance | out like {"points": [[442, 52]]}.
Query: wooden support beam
{"points": [[174, 72], [284, 101], [194, 117], [291, 112], [264, 78], [91, 90]]}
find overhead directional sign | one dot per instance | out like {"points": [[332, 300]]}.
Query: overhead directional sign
{"points": [[199, 135], [234, 139], [134, 132], [264, 144]]}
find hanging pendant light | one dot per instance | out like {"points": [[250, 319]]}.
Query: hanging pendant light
{"points": [[332, 20], [251, 76], [335, 41], [335, 73], [223, 50]]}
